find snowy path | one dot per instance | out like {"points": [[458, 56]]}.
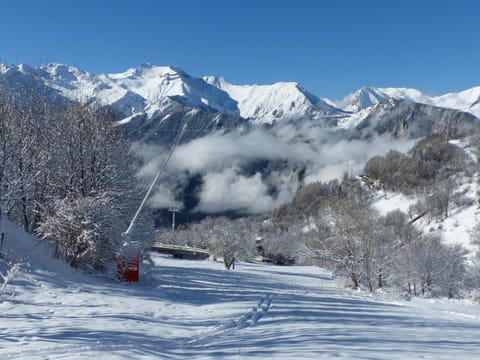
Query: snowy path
{"points": [[197, 310]]}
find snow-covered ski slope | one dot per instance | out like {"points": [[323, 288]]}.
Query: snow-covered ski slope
{"points": [[197, 310]]}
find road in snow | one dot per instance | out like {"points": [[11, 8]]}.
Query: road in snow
{"points": [[197, 310]]}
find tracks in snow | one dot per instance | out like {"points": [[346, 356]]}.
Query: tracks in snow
{"points": [[255, 313], [68, 350], [250, 318]]}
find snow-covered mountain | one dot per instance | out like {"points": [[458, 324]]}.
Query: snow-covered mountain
{"points": [[465, 101], [143, 90], [151, 97], [53, 80], [405, 118], [268, 103], [369, 96], [148, 90], [154, 84]]}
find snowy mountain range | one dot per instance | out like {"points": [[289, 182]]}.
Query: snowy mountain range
{"points": [[466, 101], [147, 91]]}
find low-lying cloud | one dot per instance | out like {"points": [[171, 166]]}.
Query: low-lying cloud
{"points": [[257, 171]]}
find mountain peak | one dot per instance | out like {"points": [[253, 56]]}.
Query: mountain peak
{"points": [[402, 93], [63, 72], [145, 65], [274, 102], [367, 97], [155, 70], [363, 98], [153, 84]]}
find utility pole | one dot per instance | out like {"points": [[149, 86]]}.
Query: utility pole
{"points": [[173, 210], [349, 170]]}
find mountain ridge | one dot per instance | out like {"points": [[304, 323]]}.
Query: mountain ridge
{"points": [[149, 90], [273, 102], [466, 101]]}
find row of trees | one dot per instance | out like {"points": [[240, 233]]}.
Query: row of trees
{"points": [[431, 161], [346, 236], [231, 240], [376, 252], [67, 174], [371, 251], [431, 171]]}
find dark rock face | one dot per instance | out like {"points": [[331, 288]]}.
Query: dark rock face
{"points": [[402, 118], [164, 127]]}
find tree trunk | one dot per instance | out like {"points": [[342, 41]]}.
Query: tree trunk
{"points": [[229, 262], [354, 281], [380, 281]]}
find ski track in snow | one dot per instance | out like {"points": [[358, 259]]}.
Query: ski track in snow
{"points": [[250, 318]]}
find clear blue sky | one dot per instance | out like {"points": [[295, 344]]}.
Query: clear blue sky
{"points": [[330, 47]]}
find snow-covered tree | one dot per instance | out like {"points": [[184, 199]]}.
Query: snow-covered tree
{"points": [[232, 240], [15, 142], [424, 265], [92, 189], [86, 231], [286, 248], [348, 236], [454, 270]]}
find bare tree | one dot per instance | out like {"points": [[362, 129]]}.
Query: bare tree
{"points": [[232, 240], [92, 187]]}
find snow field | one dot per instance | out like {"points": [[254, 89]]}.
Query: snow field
{"points": [[197, 310]]}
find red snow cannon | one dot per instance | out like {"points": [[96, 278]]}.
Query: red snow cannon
{"points": [[128, 262]]}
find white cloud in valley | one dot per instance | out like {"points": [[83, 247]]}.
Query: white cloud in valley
{"points": [[227, 165]]}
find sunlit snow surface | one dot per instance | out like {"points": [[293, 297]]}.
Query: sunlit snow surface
{"points": [[197, 310]]}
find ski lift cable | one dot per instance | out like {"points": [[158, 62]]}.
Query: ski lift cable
{"points": [[142, 204]]}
